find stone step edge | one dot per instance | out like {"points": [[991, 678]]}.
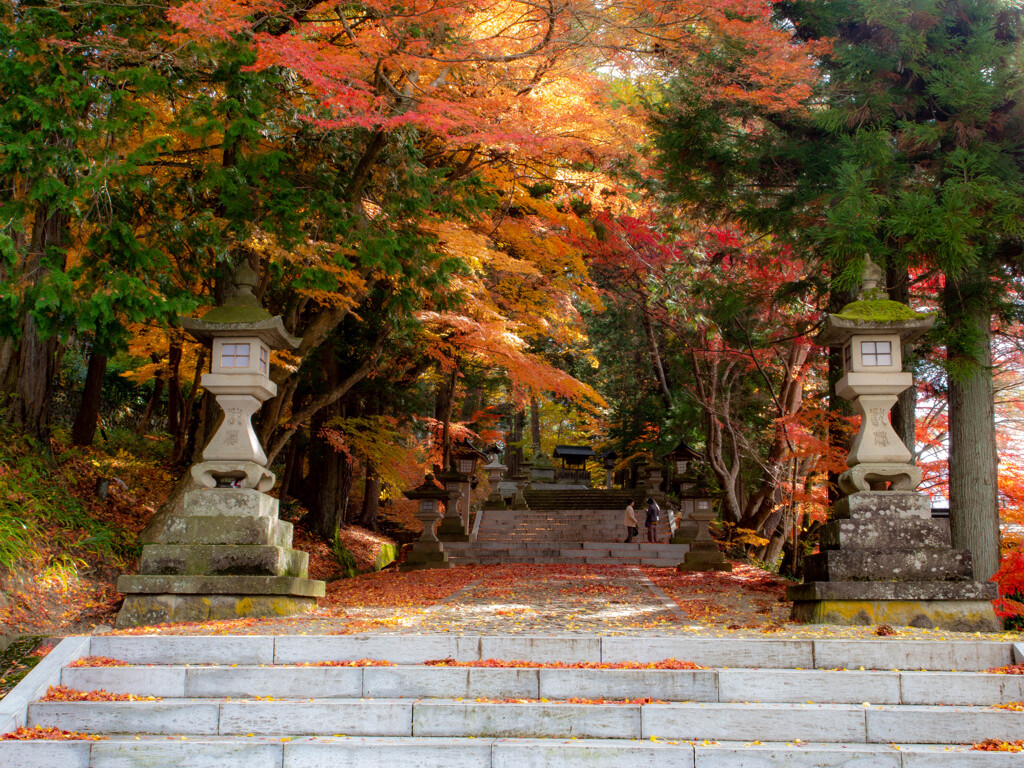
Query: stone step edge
{"points": [[259, 752]]}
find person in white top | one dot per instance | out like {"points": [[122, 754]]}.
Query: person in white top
{"points": [[632, 529]]}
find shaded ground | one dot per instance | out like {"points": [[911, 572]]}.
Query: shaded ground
{"points": [[554, 599]]}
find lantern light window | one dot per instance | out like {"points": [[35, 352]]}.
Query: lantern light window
{"points": [[234, 356], [466, 466], [428, 505], [876, 353], [703, 504], [264, 360]]}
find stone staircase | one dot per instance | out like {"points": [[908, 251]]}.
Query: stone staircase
{"points": [[590, 536], [767, 703]]}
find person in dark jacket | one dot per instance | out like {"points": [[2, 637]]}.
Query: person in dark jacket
{"points": [[653, 513]]}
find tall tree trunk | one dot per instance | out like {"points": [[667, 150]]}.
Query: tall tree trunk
{"points": [[154, 401], [905, 411], [535, 425], [84, 429], [973, 460], [174, 389], [330, 472], [371, 498], [655, 354], [443, 406]]}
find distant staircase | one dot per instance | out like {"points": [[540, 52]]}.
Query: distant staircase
{"points": [[255, 702], [568, 526]]}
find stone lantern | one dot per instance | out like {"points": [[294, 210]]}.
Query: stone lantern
{"points": [[428, 551], [704, 554], [226, 555], [608, 461], [494, 470], [464, 457], [883, 558], [679, 458]]}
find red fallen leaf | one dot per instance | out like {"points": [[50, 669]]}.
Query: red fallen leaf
{"points": [[63, 693], [573, 700], [997, 745], [1012, 669], [98, 661], [503, 663], [50, 734]]}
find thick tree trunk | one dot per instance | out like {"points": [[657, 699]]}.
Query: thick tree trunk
{"points": [[37, 367], [973, 459], [84, 429], [905, 411], [330, 472], [371, 499], [535, 425]]}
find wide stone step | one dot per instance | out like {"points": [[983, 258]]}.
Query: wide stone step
{"points": [[743, 652], [372, 752], [535, 719], [223, 560], [711, 685]]}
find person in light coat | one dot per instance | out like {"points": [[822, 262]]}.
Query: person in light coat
{"points": [[632, 528]]}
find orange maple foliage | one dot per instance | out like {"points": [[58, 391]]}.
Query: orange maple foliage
{"points": [[49, 734], [1012, 706], [98, 661], [63, 693], [1010, 669], [998, 745], [573, 700]]}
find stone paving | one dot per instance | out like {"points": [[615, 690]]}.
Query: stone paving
{"points": [[556, 599]]}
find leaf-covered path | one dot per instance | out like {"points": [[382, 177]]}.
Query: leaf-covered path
{"points": [[549, 599]]}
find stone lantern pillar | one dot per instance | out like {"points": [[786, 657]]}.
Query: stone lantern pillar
{"points": [[494, 470], [883, 558], [227, 555], [428, 551]]}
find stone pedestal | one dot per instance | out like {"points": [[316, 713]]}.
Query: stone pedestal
{"points": [[704, 554], [428, 551], [884, 559], [226, 557], [519, 500]]}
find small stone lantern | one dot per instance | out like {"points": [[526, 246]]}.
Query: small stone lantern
{"points": [[704, 554], [464, 457], [608, 461], [494, 470], [428, 551]]}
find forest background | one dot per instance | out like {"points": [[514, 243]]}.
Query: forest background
{"points": [[613, 223]]}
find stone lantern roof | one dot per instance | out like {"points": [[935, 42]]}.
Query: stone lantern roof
{"points": [[428, 489], [241, 315], [871, 317]]}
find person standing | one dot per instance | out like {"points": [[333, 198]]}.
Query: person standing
{"points": [[632, 529], [653, 513]]}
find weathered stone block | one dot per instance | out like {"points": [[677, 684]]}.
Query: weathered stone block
{"points": [[409, 752], [758, 722], [941, 725], [196, 753], [595, 753], [167, 717], [919, 756], [230, 501], [963, 688], [45, 754], [173, 649], [668, 684], [279, 682], [886, 564], [803, 686], [958, 615], [220, 585], [895, 533], [725, 755], [893, 590], [709, 651], [223, 560], [568, 649], [320, 717], [873, 505], [226, 529], [145, 609], [911, 654], [449, 682], [534, 720], [163, 681]]}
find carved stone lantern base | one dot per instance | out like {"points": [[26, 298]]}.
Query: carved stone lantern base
{"points": [[704, 554], [884, 559], [227, 556]]}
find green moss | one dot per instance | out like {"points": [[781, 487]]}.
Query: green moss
{"points": [[879, 311], [236, 314], [388, 554]]}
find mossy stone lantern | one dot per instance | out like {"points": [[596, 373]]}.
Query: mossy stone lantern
{"points": [[225, 554], [428, 551], [241, 334], [495, 469]]}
